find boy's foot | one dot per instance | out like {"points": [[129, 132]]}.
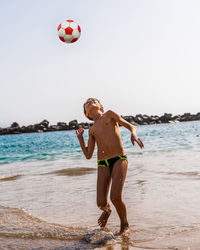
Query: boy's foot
{"points": [[104, 218], [124, 228]]}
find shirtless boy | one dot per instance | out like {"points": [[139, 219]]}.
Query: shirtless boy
{"points": [[112, 160]]}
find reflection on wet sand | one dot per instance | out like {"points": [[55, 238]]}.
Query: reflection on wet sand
{"points": [[10, 177], [141, 188], [186, 174], [74, 171]]}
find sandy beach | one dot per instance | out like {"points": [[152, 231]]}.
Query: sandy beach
{"points": [[48, 192]]}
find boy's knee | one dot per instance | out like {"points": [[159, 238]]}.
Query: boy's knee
{"points": [[101, 204], [116, 199]]}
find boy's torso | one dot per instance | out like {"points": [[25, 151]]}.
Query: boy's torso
{"points": [[107, 136]]}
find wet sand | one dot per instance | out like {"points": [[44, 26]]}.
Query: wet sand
{"points": [[182, 241], [20, 230]]}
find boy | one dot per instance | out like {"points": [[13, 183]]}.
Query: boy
{"points": [[112, 161]]}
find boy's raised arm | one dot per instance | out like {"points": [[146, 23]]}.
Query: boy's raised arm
{"points": [[87, 149], [127, 125]]}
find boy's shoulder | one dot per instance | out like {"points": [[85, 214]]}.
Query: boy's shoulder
{"points": [[109, 112], [112, 114]]}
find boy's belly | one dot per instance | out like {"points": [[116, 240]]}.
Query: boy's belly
{"points": [[107, 152]]}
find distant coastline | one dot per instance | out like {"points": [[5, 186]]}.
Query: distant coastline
{"points": [[139, 119]]}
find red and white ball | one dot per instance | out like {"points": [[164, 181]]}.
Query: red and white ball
{"points": [[69, 31]]}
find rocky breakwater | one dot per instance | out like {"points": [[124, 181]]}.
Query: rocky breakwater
{"points": [[43, 127], [166, 118], [135, 120]]}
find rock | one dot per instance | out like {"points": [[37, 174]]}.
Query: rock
{"points": [[30, 129], [39, 126], [128, 118], [63, 125], [56, 128], [84, 125], [23, 129], [45, 123], [186, 114], [14, 125], [53, 127], [146, 119], [166, 117], [138, 119], [186, 117], [198, 115], [3, 131], [154, 118], [73, 124], [13, 130], [176, 117]]}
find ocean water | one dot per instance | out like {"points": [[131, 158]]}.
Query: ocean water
{"points": [[48, 191]]}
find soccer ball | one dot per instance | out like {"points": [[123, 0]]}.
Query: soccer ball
{"points": [[69, 31]]}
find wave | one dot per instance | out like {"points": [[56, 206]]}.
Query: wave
{"points": [[16, 222], [18, 228]]}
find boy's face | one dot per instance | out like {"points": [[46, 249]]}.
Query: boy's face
{"points": [[92, 104]]}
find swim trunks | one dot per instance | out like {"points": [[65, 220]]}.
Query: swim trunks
{"points": [[110, 162]]}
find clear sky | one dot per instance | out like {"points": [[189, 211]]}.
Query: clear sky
{"points": [[135, 56]]}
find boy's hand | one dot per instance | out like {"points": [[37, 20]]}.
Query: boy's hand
{"points": [[137, 139], [79, 132]]}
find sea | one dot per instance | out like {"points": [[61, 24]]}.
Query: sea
{"points": [[48, 191]]}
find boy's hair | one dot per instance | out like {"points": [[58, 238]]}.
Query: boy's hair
{"points": [[85, 110]]}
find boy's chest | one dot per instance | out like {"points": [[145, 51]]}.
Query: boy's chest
{"points": [[105, 126]]}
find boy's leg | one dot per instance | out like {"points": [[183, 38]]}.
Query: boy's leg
{"points": [[118, 177], [103, 183]]}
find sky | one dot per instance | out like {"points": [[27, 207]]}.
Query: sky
{"points": [[135, 56]]}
